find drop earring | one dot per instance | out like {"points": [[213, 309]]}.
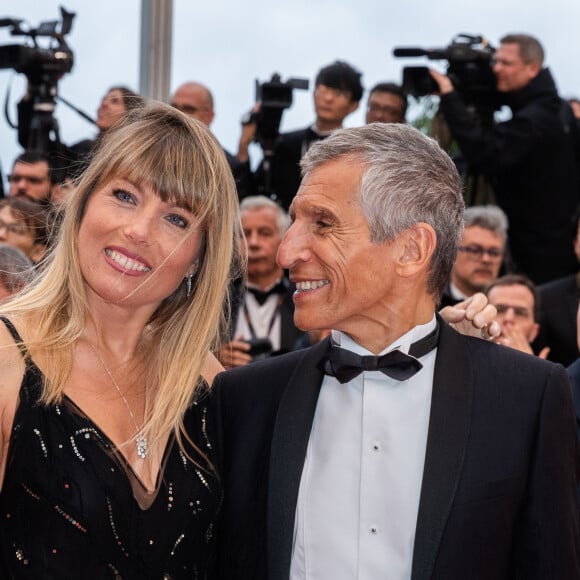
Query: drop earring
{"points": [[188, 284]]}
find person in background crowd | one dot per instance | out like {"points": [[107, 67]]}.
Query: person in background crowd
{"points": [[387, 103], [196, 100], [16, 270], [31, 176], [116, 103], [24, 224], [396, 447], [559, 299], [480, 253], [517, 302], [337, 92], [530, 160], [263, 310]]}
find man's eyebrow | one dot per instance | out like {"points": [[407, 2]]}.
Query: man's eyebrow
{"points": [[314, 211]]}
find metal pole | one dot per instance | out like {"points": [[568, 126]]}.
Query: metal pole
{"points": [[156, 34]]}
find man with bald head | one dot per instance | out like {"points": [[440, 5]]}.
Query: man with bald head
{"points": [[196, 101]]}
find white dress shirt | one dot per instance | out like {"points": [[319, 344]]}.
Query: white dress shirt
{"points": [[359, 493], [265, 319]]}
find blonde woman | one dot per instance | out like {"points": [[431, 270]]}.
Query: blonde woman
{"points": [[104, 362]]}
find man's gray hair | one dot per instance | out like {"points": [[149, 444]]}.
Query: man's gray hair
{"points": [[16, 269], [488, 217], [407, 179], [259, 201]]}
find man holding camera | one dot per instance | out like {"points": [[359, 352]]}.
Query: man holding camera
{"points": [[337, 93], [531, 160], [262, 307]]}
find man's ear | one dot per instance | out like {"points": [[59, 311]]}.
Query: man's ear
{"points": [[418, 245]]}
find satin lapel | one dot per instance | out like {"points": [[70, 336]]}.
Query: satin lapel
{"points": [[289, 443], [449, 426]]}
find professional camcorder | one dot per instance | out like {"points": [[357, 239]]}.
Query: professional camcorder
{"points": [[274, 97], [469, 68], [43, 67]]}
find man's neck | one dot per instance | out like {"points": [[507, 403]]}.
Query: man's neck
{"points": [[322, 127], [265, 282]]}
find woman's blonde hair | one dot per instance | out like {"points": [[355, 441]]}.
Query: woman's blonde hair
{"points": [[181, 160]]}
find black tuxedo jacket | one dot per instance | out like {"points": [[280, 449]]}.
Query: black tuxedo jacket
{"points": [[498, 498]]}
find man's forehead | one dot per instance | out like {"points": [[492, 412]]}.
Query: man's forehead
{"points": [[34, 166]]}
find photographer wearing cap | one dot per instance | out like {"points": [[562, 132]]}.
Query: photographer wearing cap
{"points": [[530, 160], [337, 93]]}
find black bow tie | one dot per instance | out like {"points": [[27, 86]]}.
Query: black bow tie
{"points": [[345, 365], [261, 296]]}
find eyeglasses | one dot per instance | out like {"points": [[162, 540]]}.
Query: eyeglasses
{"points": [[519, 311], [33, 180], [14, 228], [477, 252]]}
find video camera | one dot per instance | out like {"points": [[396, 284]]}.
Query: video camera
{"points": [[469, 69], [274, 97], [43, 67]]}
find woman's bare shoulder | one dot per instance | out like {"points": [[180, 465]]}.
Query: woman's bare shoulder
{"points": [[211, 368]]}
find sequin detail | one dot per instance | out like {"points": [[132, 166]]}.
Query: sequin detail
{"points": [[114, 529], [177, 542], [170, 497], [42, 443], [202, 478], [69, 519]]}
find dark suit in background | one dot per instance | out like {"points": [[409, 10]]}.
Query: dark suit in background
{"points": [[558, 305]]}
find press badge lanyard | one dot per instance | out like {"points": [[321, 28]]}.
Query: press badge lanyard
{"points": [[272, 320]]}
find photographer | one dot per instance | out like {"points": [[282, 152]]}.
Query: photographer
{"points": [[262, 307], [529, 160], [337, 93]]}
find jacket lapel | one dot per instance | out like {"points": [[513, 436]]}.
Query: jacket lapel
{"points": [[289, 444], [449, 426]]}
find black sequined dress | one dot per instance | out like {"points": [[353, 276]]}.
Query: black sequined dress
{"points": [[72, 508]]}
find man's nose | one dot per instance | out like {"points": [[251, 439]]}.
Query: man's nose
{"points": [[293, 248]]}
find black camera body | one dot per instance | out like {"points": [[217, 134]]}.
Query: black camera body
{"points": [[274, 96], [469, 68], [260, 347], [43, 67]]}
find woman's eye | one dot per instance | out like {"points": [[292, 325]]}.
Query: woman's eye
{"points": [[177, 220], [123, 195]]}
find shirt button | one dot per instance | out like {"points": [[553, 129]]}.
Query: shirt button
{"points": [[374, 530], [376, 447]]}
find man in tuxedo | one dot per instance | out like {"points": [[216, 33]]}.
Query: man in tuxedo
{"points": [[448, 458], [262, 323]]}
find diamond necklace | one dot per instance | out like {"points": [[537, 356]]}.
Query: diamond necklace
{"points": [[141, 440]]}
